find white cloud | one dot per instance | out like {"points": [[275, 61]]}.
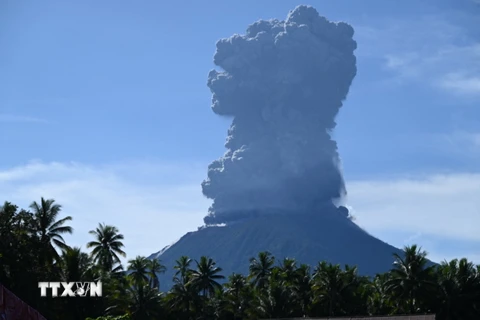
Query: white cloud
{"points": [[446, 206], [461, 83], [455, 69], [431, 211], [402, 63], [155, 204], [431, 50], [10, 118], [150, 208]]}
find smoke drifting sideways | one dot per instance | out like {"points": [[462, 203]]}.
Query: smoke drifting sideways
{"points": [[283, 83]]}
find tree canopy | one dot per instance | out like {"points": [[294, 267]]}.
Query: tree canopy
{"points": [[32, 249]]}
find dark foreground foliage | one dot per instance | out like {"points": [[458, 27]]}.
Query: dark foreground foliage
{"points": [[32, 249]]}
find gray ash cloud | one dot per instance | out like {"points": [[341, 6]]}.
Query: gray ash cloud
{"points": [[283, 83]]}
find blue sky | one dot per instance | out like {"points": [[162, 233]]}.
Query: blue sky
{"points": [[104, 107]]}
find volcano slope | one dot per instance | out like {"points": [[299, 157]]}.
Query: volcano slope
{"points": [[282, 83], [307, 238]]}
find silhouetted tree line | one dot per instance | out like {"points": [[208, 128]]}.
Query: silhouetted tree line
{"points": [[32, 249]]}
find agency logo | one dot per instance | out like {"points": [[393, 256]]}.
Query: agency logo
{"points": [[71, 289]]}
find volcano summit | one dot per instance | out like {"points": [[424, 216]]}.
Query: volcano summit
{"points": [[282, 83]]}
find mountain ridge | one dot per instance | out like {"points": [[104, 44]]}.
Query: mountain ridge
{"points": [[308, 238]]}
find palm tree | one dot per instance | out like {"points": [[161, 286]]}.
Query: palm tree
{"points": [[138, 269], [117, 291], [48, 228], [277, 299], [354, 293], [144, 303], [379, 301], [330, 286], [155, 267], [236, 283], [205, 277], [75, 264], [236, 294], [459, 290], [288, 270], [107, 247], [182, 299], [302, 288], [183, 269], [135, 295], [217, 306], [260, 269], [411, 278], [8, 212]]}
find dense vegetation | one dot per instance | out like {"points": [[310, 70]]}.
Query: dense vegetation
{"points": [[32, 249]]}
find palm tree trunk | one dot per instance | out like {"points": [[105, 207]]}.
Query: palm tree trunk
{"points": [[331, 306], [412, 307], [204, 303]]}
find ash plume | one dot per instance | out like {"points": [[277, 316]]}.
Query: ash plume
{"points": [[283, 83]]}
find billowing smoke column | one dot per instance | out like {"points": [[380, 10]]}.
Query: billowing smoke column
{"points": [[283, 82]]}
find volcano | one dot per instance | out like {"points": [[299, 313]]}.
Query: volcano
{"points": [[279, 187], [307, 238]]}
